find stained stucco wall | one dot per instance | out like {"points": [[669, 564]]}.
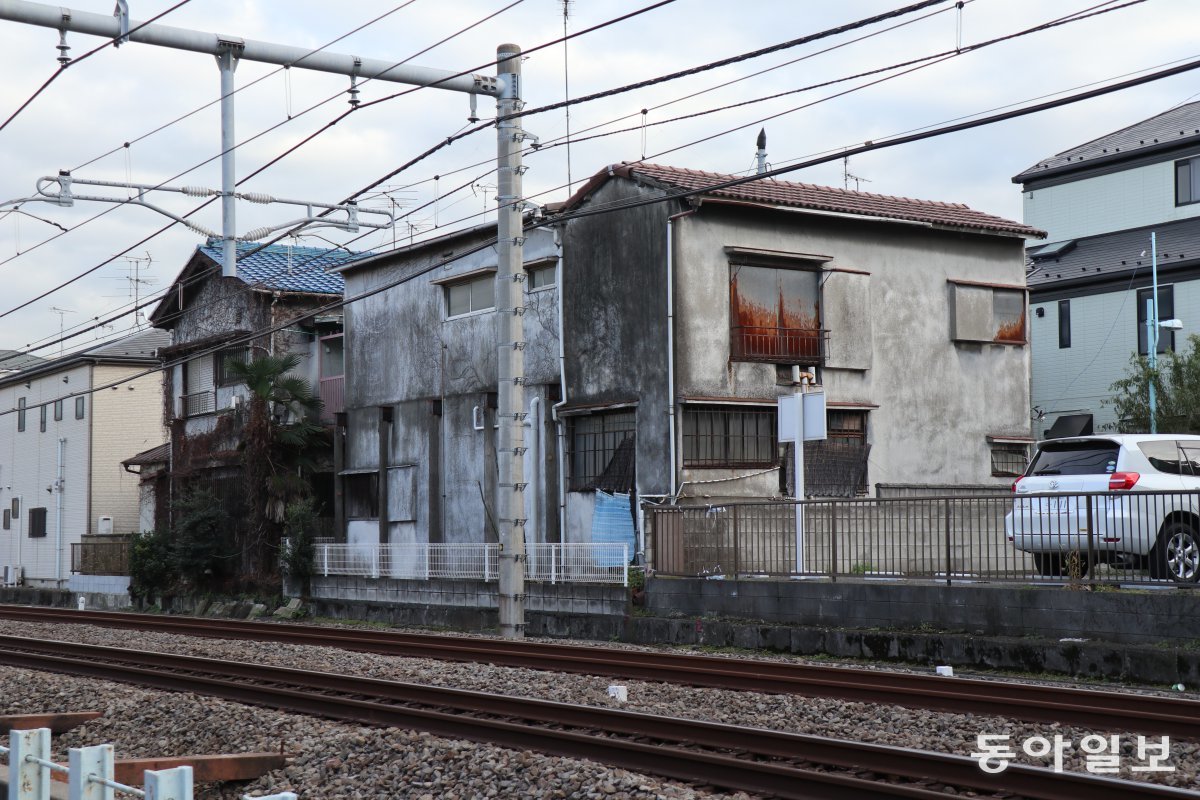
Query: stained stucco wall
{"points": [[402, 351], [937, 400]]}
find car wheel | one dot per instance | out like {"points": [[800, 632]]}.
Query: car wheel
{"points": [[1048, 564], [1176, 554]]}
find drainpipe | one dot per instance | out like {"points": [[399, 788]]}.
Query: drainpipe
{"points": [[559, 426], [58, 533], [670, 350], [533, 528]]}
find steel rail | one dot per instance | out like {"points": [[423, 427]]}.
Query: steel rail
{"points": [[728, 756], [1088, 708]]}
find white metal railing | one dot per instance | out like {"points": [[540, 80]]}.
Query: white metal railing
{"points": [[587, 562], [90, 773]]}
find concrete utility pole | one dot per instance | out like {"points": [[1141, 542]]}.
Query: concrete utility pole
{"points": [[510, 277], [510, 341]]}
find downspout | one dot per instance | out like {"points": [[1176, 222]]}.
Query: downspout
{"points": [[671, 352], [58, 532], [533, 528], [559, 427]]}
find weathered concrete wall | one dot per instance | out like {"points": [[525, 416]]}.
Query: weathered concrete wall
{"points": [[937, 399], [615, 319], [1053, 613], [402, 351]]}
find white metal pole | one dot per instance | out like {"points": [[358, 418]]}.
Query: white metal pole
{"points": [[169, 784], [798, 461], [227, 61], [85, 762], [510, 339], [28, 780], [59, 484]]}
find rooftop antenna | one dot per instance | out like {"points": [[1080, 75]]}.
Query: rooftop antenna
{"points": [[566, 11], [62, 312], [133, 274], [847, 176], [760, 155]]}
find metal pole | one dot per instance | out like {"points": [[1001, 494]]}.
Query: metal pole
{"points": [[1152, 339], [227, 61], [510, 340], [1152, 347]]}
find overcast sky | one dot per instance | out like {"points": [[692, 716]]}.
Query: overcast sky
{"points": [[121, 94]]}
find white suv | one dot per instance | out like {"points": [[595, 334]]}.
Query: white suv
{"points": [[1145, 511]]}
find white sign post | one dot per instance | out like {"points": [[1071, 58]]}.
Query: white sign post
{"points": [[801, 418]]}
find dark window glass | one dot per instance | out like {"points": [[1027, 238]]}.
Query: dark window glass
{"points": [[602, 450], [362, 496], [42, 418], [333, 362], [80, 405], [58, 410], [1009, 459], [20, 414], [1164, 456], [476, 294], [37, 522], [1166, 310], [729, 437], [1187, 181], [1075, 458], [1064, 324], [7, 520]]}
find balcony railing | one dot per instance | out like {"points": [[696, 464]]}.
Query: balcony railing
{"points": [[333, 397], [199, 403], [778, 345], [101, 555]]}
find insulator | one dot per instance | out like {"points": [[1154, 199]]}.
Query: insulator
{"points": [[257, 197], [198, 191], [200, 229], [63, 49], [255, 235]]}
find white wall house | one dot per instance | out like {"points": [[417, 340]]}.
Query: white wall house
{"points": [[62, 440], [1088, 286]]}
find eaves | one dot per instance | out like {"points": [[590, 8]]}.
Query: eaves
{"points": [[1139, 278]]}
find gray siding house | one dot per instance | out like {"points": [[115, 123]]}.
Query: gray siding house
{"points": [[683, 320], [1088, 285], [421, 372]]}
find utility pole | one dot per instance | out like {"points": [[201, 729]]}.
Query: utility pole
{"points": [[506, 87], [1152, 329]]}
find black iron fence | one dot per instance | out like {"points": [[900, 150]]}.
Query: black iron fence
{"points": [[1118, 537], [101, 555]]}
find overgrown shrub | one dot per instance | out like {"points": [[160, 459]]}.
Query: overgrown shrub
{"points": [[202, 546], [299, 526], [151, 564]]}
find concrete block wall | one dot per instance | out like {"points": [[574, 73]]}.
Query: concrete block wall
{"points": [[560, 598], [1131, 616]]}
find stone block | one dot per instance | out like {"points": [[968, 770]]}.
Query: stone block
{"points": [[256, 610]]}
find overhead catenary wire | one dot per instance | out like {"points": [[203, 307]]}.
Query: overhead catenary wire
{"points": [[669, 196]]}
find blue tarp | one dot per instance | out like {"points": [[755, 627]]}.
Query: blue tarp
{"points": [[613, 523]]}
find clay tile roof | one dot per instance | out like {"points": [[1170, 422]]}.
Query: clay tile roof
{"points": [[287, 268], [822, 198]]}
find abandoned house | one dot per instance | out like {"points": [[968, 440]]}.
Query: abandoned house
{"points": [[421, 369], [683, 319], [210, 317]]}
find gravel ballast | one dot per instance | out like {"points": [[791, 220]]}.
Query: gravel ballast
{"points": [[929, 730]]}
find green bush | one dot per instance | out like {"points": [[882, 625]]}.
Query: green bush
{"points": [[299, 526], [203, 539], [151, 565]]}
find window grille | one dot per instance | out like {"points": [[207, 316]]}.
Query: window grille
{"points": [[715, 436], [602, 451], [234, 355], [1009, 459]]}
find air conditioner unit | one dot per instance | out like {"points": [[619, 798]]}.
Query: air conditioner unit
{"points": [[104, 525], [235, 401], [12, 574]]}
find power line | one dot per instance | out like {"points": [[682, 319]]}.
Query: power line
{"points": [[63, 64], [668, 197]]}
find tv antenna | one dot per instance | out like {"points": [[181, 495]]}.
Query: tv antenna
{"points": [[847, 176], [62, 312]]}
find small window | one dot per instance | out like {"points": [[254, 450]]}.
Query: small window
{"points": [[16, 508], [58, 410], [7, 520], [466, 297], [1064, 324], [80, 405], [1009, 459], [20, 415], [1166, 310], [985, 313], [234, 355], [775, 315], [602, 451], [1008, 315], [362, 495], [37, 522], [716, 436], [42, 414], [1187, 181], [541, 276]]}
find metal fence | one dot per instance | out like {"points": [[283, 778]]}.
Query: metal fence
{"points": [[547, 562], [1121, 537], [101, 555]]}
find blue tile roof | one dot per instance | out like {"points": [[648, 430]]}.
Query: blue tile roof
{"points": [[287, 268]]}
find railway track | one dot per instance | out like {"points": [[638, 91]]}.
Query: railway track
{"points": [[730, 757], [1085, 708]]}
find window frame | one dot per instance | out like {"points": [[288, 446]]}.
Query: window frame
{"points": [[471, 281], [541, 268], [613, 423], [221, 378], [1007, 448], [775, 343], [21, 408], [760, 450], [1064, 324], [1192, 167], [37, 523], [58, 410], [1166, 310], [43, 415], [80, 407]]}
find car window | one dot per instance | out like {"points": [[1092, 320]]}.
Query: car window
{"points": [[1075, 458], [1190, 458], [1165, 456]]}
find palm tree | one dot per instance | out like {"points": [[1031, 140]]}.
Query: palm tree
{"points": [[280, 442]]}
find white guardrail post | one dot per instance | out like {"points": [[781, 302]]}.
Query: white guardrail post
{"points": [[91, 773], [169, 784], [29, 779]]}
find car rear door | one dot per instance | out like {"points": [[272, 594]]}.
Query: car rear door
{"points": [[1071, 466]]}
